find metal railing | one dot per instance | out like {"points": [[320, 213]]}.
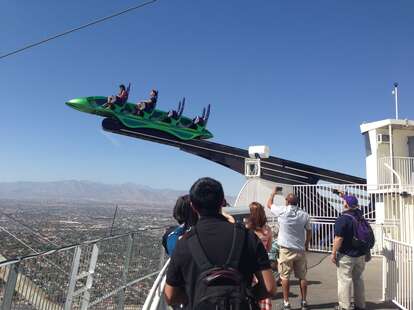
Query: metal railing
{"points": [[155, 299], [323, 236], [399, 270], [321, 201], [404, 166], [112, 272]]}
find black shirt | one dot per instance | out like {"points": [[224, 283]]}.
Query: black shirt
{"points": [[215, 235], [344, 227]]}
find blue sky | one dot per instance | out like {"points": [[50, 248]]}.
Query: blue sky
{"points": [[299, 76]]}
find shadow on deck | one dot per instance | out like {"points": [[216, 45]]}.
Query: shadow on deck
{"points": [[322, 289]]}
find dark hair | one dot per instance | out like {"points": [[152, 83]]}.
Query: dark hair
{"points": [[155, 91], [183, 212], [257, 218], [207, 196], [122, 86]]}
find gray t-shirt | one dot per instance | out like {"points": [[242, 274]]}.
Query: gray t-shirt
{"points": [[293, 222]]}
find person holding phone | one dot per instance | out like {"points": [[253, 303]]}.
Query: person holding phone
{"points": [[294, 238]]}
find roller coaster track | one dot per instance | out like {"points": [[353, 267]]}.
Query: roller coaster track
{"points": [[273, 168]]}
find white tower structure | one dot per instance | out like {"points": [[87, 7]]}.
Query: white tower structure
{"points": [[389, 146]]}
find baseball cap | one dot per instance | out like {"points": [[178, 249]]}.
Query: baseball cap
{"points": [[351, 201]]}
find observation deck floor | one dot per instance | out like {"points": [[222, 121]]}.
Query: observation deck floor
{"points": [[322, 285]]}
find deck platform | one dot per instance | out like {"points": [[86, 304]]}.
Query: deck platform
{"points": [[322, 289]]}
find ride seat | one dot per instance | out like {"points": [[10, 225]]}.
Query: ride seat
{"points": [[201, 121], [174, 116], [149, 110]]}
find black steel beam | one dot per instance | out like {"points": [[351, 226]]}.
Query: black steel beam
{"points": [[273, 168]]}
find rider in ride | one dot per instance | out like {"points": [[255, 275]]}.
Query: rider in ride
{"points": [[201, 120], [120, 99], [148, 105]]}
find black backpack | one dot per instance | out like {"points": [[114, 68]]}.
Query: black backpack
{"points": [[221, 287]]}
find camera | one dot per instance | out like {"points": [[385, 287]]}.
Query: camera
{"points": [[259, 151]]}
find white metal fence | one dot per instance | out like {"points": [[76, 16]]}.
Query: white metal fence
{"points": [[322, 201], [323, 235], [404, 166], [399, 270]]}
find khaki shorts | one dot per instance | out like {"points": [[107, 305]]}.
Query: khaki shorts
{"points": [[291, 260]]}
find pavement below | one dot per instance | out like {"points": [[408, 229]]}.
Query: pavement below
{"points": [[322, 285]]}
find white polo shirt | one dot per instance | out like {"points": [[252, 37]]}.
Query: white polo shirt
{"points": [[293, 223]]}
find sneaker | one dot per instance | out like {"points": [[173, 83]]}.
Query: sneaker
{"points": [[304, 305], [286, 306]]}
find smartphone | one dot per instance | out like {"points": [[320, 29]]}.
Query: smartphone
{"points": [[279, 189]]}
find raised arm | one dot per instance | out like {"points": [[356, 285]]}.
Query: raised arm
{"points": [[270, 200]]}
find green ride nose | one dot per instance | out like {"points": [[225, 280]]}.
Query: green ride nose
{"points": [[80, 104]]}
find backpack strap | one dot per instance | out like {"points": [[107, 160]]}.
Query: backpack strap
{"points": [[350, 215], [233, 259], [197, 251], [355, 222]]}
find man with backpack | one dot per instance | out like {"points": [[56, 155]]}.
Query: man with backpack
{"points": [[351, 249], [213, 264]]}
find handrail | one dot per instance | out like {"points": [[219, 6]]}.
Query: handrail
{"points": [[158, 283], [395, 173], [403, 166], [236, 203]]}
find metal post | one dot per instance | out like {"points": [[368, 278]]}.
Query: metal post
{"points": [[162, 258], [10, 286], [73, 278], [412, 275], [391, 153], [89, 281], [384, 253], [113, 220], [128, 253], [395, 92]]}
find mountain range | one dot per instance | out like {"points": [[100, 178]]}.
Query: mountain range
{"points": [[74, 190]]}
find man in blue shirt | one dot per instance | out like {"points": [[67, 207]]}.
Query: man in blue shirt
{"points": [[350, 261]]}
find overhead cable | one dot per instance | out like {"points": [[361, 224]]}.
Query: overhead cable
{"points": [[18, 239], [29, 247], [27, 227], [97, 21]]}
